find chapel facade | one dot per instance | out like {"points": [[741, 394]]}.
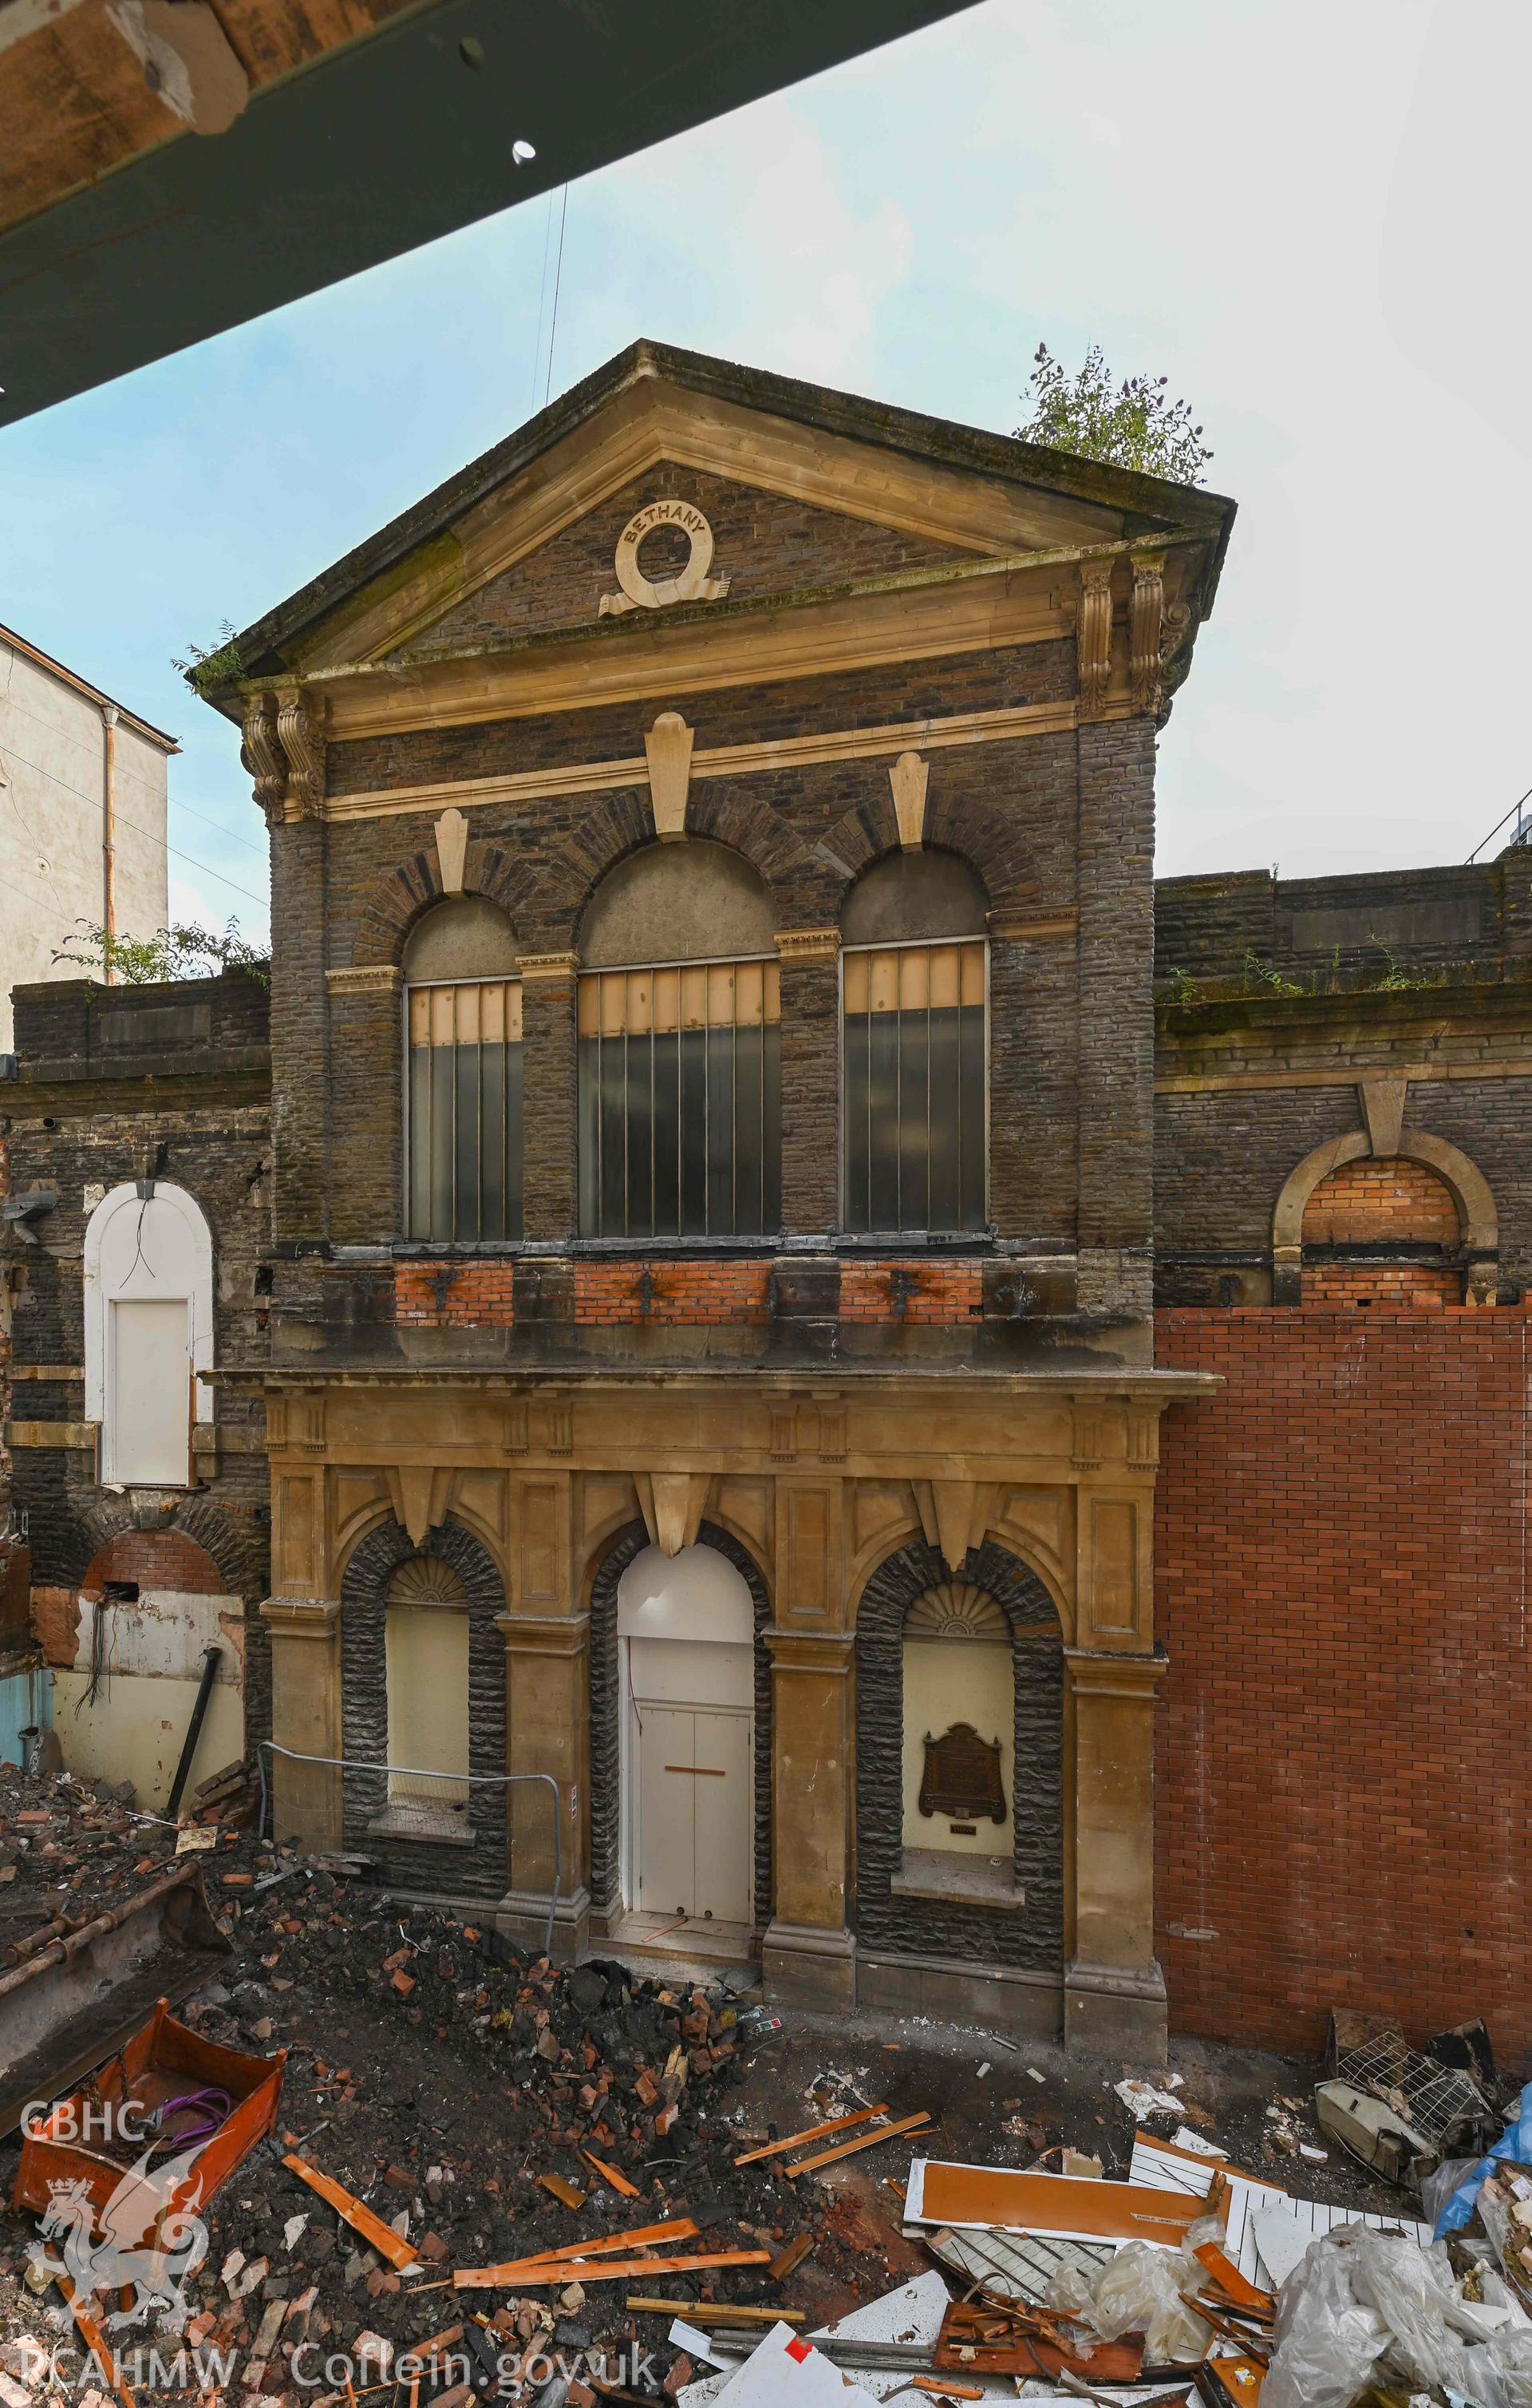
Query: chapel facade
{"points": [[688, 1242]]}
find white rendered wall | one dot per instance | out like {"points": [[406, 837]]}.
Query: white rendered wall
{"points": [[156, 1251], [52, 768], [151, 1657]]}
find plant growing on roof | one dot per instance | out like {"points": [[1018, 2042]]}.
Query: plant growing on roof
{"points": [[184, 950], [1134, 424], [208, 667]]}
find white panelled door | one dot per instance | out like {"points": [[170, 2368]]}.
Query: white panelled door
{"points": [[691, 1754]]}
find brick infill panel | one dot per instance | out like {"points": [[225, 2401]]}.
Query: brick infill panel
{"points": [[454, 1295], [912, 1291], [694, 1295]]}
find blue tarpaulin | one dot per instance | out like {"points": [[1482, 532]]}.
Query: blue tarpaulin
{"points": [[1514, 2141]]}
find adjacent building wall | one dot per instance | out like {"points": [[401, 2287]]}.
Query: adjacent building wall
{"points": [[55, 736], [1342, 1576]]}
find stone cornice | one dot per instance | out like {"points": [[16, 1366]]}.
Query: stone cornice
{"points": [[976, 606]]}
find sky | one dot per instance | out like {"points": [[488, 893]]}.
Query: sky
{"points": [[1308, 218]]}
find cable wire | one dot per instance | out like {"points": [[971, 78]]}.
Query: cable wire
{"points": [[558, 274]]}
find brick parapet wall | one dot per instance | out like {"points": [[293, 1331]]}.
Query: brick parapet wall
{"points": [[1342, 1797], [1116, 1021]]}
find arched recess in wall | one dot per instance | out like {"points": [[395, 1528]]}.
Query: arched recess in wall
{"points": [[975, 1666], [423, 1670], [149, 1331], [608, 1705], [914, 989], [463, 1083], [680, 1048], [1477, 1239]]}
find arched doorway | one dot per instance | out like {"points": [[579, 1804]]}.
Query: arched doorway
{"points": [[149, 1331], [686, 1677]]}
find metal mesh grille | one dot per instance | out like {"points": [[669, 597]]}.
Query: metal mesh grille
{"points": [[913, 1040], [1433, 2098], [464, 1110], [680, 1111]]}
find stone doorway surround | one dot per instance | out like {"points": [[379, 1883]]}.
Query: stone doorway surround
{"points": [[810, 1485]]}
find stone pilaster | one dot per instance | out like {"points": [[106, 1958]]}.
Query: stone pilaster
{"points": [[1114, 2002], [1116, 1024], [300, 1023], [367, 1107], [547, 1718], [810, 1079], [549, 1150], [808, 1955], [305, 1718]]}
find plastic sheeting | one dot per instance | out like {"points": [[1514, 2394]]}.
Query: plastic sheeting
{"points": [[1514, 2141]]}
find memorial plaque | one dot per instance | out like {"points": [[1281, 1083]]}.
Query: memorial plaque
{"points": [[962, 1776]]}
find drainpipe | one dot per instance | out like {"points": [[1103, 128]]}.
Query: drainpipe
{"points": [[108, 835]]}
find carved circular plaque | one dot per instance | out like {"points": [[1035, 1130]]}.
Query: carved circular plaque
{"points": [[692, 583]]}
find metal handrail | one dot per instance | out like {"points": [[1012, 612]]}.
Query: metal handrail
{"points": [[418, 1773]]}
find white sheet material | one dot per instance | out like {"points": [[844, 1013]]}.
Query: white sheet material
{"points": [[1160, 2168], [783, 2371]]}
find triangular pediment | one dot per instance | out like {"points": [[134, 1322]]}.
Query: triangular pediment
{"points": [[798, 490]]}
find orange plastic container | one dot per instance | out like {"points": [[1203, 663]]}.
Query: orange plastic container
{"points": [[162, 2062]]}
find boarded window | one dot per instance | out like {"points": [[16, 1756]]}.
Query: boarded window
{"points": [[150, 1391], [913, 1087], [464, 1111], [679, 1112]]}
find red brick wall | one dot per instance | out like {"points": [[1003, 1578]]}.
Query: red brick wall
{"points": [[1388, 1202], [1389, 1198], [439, 1296], [912, 1292], [697, 1294], [1344, 1769], [156, 1559]]}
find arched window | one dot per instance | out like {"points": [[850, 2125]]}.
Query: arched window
{"points": [[914, 973], [463, 1094], [149, 1331], [679, 1013]]}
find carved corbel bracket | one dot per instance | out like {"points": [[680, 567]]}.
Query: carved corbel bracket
{"points": [[807, 944], [1093, 636], [954, 1515], [1145, 625], [673, 1504], [300, 738], [667, 749], [908, 777], [263, 755]]}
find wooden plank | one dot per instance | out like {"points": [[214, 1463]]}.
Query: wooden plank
{"points": [[850, 2148], [577, 2270], [681, 2227], [1233, 2284], [96, 2341], [350, 2211], [565, 2192], [815, 2132], [609, 2175], [788, 2260], [1054, 2206]]}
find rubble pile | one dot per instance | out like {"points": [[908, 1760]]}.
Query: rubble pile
{"points": [[486, 2105], [478, 2176]]}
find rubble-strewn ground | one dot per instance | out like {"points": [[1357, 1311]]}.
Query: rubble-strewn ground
{"points": [[436, 2075]]}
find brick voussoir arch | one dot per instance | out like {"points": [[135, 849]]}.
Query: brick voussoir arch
{"points": [[605, 1714], [1031, 1940], [397, 898], [240, 1554], [1479, 1228]]}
